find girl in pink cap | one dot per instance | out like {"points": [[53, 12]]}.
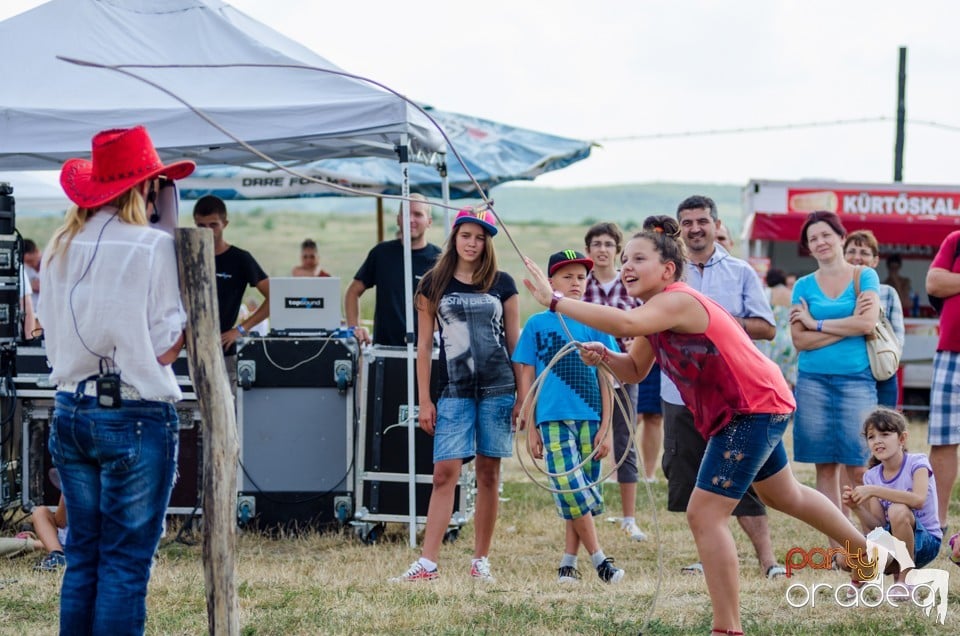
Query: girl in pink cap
{"points": [[476, 309]]}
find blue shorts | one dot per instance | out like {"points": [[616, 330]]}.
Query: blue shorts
{"points": [[945, 400], [926, 547], [746, 450], [565, 444], [467, 427], [830, 414], [648, 392]]}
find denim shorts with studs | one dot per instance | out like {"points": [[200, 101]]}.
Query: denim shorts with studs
{"points": [[748, 449]]}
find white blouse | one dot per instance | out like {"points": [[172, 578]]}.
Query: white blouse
{"points": [[125, 305]]}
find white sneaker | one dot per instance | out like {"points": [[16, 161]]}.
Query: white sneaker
{"points": [[415, 574], [480, 570], [632, 531]]}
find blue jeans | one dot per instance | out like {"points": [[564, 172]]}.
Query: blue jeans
{"points": [[117, 468]]}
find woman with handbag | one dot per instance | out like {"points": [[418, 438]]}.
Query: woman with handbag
{"points": [[835, 385]]}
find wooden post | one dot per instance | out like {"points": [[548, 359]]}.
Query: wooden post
{"points": [[379, 219], [220, 449]]}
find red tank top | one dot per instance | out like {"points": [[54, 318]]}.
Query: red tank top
{"points": [[720, 373]]}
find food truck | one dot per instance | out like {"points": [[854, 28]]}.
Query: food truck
{"points": [[908, 220]]}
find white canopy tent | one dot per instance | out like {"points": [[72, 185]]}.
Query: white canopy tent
{"points": [[49, 108], [243, 75]]}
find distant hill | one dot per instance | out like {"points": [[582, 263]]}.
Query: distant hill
{"points": [[626, 204]]}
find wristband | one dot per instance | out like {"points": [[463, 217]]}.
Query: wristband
{"points": [[554, 300], [819, 325], [243, 332]]}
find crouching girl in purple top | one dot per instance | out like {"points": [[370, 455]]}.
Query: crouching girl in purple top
{"points": [[898, 491]]}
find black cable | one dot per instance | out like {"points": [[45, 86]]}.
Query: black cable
{"points": [[73, 314], [313, 496], [11, 396]]}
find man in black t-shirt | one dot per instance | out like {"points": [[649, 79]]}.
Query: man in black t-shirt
{"points": [[383, 269], [236, 269]]}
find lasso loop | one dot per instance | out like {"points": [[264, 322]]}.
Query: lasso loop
{"points": [[628, 412]]}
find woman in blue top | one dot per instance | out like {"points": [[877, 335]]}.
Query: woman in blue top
{"points": [[835, 387]]}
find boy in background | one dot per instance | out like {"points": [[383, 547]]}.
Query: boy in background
{"points": [[572, 416]]}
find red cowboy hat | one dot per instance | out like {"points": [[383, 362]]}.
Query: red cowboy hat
{"points": [[122, 158]]}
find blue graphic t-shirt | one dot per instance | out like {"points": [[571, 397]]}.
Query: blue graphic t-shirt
{"points": [[571, 390], [473, 352]]}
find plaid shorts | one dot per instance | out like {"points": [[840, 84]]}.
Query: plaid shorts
{"points": [[565, 444], [945, 399]]}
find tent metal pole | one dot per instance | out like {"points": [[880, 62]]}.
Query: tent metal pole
{"points": [[445, 193], [412, 420]]}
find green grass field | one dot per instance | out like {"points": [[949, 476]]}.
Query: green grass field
{"points": [[332, 583], [344, 240]]}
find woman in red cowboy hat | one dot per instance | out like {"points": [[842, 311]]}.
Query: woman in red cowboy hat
{"points": [[113, 323]]}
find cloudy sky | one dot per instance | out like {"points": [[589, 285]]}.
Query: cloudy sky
{"points": [[617, 69]]}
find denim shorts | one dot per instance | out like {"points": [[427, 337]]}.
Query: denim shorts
{"points": [[467, 427], [746, 450], [926, 547], [830, 414]]}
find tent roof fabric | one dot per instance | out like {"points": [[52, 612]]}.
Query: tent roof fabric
{"points": [[50, 108], [494, 153]]}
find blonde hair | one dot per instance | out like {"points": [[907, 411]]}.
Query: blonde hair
{"points": [[131, 209]]}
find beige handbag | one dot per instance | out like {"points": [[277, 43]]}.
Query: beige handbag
{"points": [[882, 346]]}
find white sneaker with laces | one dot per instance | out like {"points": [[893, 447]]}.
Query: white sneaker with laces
{"points": [[480, 570], [416, 573], [631, 530]]}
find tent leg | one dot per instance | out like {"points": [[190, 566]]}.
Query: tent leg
{"points": [[411, 354]]}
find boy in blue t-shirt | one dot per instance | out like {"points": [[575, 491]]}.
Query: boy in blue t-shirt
{"points": [[572, 415]]}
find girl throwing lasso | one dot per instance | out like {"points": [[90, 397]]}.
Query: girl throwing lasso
{"points": [[739, 399]]}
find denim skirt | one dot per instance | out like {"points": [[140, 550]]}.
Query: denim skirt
{"points": [[830, 414]]}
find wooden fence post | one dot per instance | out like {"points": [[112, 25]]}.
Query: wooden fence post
{"points": [[198, 287]]}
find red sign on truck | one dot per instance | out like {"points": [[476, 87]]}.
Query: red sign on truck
{"points": [[903, 204]]}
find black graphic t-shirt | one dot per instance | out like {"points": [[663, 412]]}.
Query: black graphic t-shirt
{"points": [[473, 352], [236, 269]]}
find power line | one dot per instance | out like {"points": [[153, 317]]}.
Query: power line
{"points": [[934, 124], [775, 127], [748, 129]]}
